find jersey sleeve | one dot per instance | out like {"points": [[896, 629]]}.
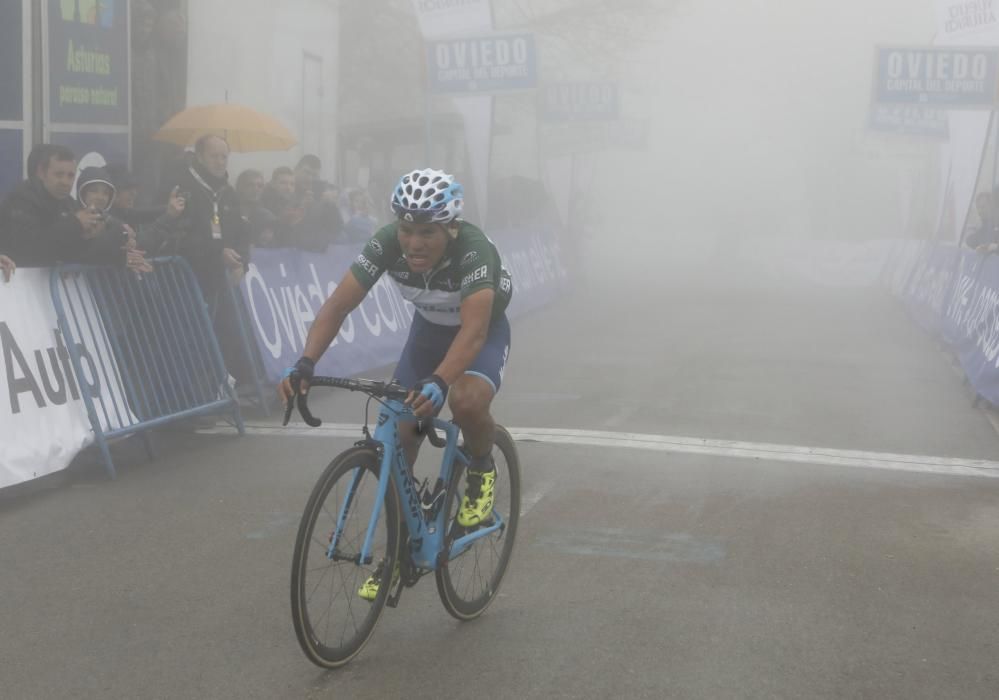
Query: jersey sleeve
{"points": [[377, 255], [479, 267]]}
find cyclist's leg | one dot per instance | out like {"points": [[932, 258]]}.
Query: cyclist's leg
{"points": [[470, 399], [422, 354], [471, 396]]}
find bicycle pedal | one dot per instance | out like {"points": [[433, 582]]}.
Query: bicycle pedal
{"points": [[393, 598]]}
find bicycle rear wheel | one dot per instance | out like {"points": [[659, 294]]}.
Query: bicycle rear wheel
{"points": [[332, 622], [468, 583]]}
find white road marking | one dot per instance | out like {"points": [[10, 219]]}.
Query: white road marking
{"points": [[532, 498], [734, 449]]}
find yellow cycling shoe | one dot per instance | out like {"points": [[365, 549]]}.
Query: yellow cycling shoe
{"points": [[369, 590], [477, 503]]}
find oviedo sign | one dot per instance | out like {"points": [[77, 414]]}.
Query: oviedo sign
{"points": [[954, 77], [484, 64]]}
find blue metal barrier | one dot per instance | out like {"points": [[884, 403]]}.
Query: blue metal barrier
{"points": [[231, 301], [142, 347]]}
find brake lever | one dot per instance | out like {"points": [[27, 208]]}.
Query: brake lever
{"points": [[425, 426], [303, 408], [289, 405]]}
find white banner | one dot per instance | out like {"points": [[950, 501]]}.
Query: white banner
{"points": [[960, 17], [43, 420], [43, 423]]}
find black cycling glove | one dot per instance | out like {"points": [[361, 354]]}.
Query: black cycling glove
{"points": [[305, 369]]}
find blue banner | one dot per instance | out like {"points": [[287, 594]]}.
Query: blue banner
{"points": [[955, 293], [977, 319], [928, 292], [285, 288], [11, 62], [88, 62], [566, 102], [532, 255], [482, 64], [954, 77], [963, 290], [910, 120]]}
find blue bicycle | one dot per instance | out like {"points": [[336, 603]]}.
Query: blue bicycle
{"points": [[367, 517]]}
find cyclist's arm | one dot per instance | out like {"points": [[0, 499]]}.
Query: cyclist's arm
{"points": [[334, 312], [476, 311]]}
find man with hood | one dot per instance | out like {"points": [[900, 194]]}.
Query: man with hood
{"points": [[111, 242]]}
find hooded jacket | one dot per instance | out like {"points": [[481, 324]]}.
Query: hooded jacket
{"points": [[106, 248]]}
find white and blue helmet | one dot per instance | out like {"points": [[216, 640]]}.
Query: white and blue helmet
{"points": [[428, 196]]}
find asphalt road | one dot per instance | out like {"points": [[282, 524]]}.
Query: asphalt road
{"points": [[641, 570]]}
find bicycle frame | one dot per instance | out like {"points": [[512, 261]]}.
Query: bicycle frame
{"points": [[426, 539]]}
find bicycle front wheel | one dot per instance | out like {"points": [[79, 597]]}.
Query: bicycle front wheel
{"points": [[332, 622], [468, 583]]}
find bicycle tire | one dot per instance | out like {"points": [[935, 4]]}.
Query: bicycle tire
{"points": [[337, 478], [454, 593]]}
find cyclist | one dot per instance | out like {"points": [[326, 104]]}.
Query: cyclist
{"points": [[460, 339]]}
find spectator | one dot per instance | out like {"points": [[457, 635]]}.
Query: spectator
{"points": [[322, 221], [361, 225], [264, 225], [214, 238], [125, 185], [279, 199], [307, 177], [249, 189], [39, 152], [7, 266], [112, 241], [984, 239], [40, 223], [279, 194], [212, 233]]}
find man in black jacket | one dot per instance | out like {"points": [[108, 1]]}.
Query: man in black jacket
{"points": [[318, 200], [214, 237], [40, 223], [215, 240]]}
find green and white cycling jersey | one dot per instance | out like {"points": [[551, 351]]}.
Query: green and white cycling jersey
{"points": [[470, 263]]}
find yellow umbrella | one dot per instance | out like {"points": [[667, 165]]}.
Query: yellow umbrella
{"points": [[246, 129]]}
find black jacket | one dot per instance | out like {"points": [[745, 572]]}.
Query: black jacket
{"points": [[321, 225], [985, 234], [38, 230], [194, 240]]}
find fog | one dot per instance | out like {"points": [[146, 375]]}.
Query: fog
{"points": [[759, 126], [756, 114]]}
